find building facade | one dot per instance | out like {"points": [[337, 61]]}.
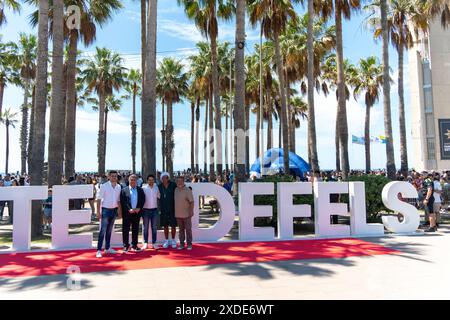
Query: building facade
{"points": [[429, 73]]}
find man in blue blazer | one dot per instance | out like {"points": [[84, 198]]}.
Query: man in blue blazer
{"points": [[132, 199]]}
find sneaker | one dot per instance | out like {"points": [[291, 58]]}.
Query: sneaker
{"points": [[189, 247], [136, 249], [155, 246], [431, 230], [174, 244], [181, 247], [166, 244], [126, 249], [99, 254], [145, 246], [111, 251]]}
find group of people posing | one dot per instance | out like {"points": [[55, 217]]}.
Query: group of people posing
{"points": [[170, 203]]}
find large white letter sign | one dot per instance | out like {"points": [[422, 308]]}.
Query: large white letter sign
{"points": [[248, 211], [287, 211], [390, 198], [324, 209], [227, 212], [358, 213], [22, 198], [62, 217]]}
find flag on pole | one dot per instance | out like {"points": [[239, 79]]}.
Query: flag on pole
{"points": [[358, 140]]}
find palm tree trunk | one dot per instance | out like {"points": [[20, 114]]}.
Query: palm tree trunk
{"points": [[101, 134], [58, 109], [24, 128], [211, 135], [105, 136], [247, 139], [31, 132], [231, 139], [312, 137], [218, 115], [401, 110], [7, 148], [269, 123], [2, 93], [143, 35], [258, 132], [149, 95], [227, 146], [280, 133], [239, 121], [197, 132], [284, 120], [342, 109], [205, 138], [37, 157], [169, 137], [133, 134], [192, 135], [390, 165], [336, 142], [71, 107], [163, 135], [288, 111], [367, 138]]}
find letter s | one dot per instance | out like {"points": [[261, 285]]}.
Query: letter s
{"points": [[390, 198]]}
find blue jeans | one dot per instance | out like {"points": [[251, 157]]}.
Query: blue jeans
{"points": [[107, 225], [150, 216]]}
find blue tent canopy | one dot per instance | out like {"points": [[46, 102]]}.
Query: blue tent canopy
{"points": [[274, 163]]}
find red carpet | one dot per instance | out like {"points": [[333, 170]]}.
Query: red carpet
{"points": [[57, 262]]}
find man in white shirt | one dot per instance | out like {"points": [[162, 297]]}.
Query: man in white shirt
{"points": [[150, 213], [108, 209], [437, 196]]}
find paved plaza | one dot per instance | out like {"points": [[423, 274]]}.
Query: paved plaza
{"points": [[418, 271]]}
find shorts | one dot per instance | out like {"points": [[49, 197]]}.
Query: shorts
{"points": [[437, 207], [429, 207], [48, 212], [167, 220]]}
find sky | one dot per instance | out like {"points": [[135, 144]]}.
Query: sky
{"points": [[177, 37]]}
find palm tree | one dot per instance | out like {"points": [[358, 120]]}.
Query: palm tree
{"points": [[437, 8], [312, 137], [8, 118], [404, 19], [27, 54], [104, 73], [93, 13], [111, 104], [205, 14], [149, 94], [134, 89], [38, 149], [329, 75], [8, 68], [299, 113], [368, 80], [200, 70], [274, 17], [192, 97], [341, 9], [239, 97], [390, 165], [174, 85], [11, 4], [58, 108]]}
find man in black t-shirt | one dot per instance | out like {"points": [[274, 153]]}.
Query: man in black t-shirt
{"points": [[428, 201]]}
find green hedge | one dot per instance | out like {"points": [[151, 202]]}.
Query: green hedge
{"points": [[374, 186]]}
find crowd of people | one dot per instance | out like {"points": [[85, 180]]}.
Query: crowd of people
{"points": [[127, 195]]}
